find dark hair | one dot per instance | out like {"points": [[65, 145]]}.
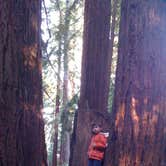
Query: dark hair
{"points": [[96, 125]]}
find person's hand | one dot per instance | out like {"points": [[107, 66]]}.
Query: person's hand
{"points": [[106, 135], [93, 145]]}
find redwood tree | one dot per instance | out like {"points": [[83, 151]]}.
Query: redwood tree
{"points": [[21, 124], [139, 111], [95, 77]]}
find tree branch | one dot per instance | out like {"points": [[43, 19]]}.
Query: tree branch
{"points": [[73, 6], [46, 13], [44, 90]]}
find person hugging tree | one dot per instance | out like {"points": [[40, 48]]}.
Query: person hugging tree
{"points": [[97, 146]]}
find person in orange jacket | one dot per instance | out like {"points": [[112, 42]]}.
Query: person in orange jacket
{"points": [[97, 146]]}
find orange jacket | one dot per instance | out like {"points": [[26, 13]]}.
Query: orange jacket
{"points": [[97, 146]]}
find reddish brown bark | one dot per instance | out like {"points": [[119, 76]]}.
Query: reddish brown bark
{"points": [[139, 111], [95, 61], [95, 77], [21, 124]]}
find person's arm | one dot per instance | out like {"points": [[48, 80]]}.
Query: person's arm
{"points": [[101, 144], [102, 149]]}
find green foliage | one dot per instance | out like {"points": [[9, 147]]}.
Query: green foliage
{"points": [[60, 17], [61, 118], [54, 46]]}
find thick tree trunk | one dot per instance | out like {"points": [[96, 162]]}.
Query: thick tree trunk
{"points": [[139, 111], [21, 124], [95, 62], [95, 77]]}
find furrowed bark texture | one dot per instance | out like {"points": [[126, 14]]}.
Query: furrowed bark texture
{"points": [[21, 124], [95, 61], [139, 110], [95, 78]]}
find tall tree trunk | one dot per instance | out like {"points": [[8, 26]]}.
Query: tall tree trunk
{"points": [[57, 109], [21, 124], [139, 112], [95, 56], [66, 122], [65, 135], [95, 77]]}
